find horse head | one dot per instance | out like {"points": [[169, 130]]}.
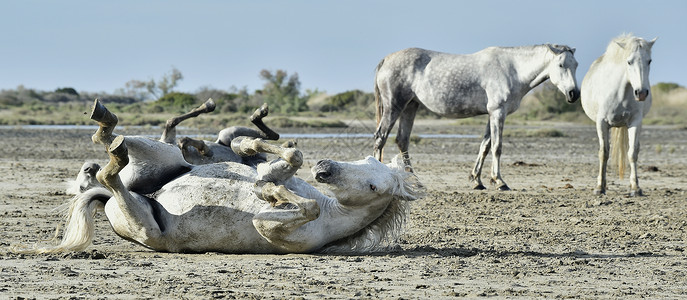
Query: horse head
{"points": [[85, 180], [368, 181], [638, 55], [562, 70]]}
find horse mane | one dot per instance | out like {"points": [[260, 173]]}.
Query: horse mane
{"points": [[384, 232], [631, 42]]}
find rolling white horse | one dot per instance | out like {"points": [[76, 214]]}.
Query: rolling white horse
{"points": [[616, 94], [492, 81], [153, 197]]}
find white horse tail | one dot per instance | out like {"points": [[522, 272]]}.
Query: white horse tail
{"points": [[378, 102], [620, 144], [80, 228]]}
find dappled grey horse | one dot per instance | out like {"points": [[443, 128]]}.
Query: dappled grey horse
{"points": [[492, 81], [616, 94]]}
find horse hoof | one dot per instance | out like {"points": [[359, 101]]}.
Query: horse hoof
{"points": [[599, 192], [637, 193], [260, 113], [504, 188], [208, 106], [479, 187]]}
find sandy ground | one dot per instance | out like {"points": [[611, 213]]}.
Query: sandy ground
{"points": [[548, 238]]}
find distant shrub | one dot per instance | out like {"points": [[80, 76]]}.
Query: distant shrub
{"points": [[177, 102], [67, 90]]}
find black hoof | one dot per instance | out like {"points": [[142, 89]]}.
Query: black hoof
{"points": [[479, 187]]}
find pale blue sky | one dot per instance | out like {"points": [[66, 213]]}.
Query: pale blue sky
{"points": [[333, 45]]}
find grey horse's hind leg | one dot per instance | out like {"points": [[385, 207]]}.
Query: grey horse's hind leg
{"points": [[186, 142], [405, 126], [227, 135], [386, 123], [170, 132], [485, 146], [256, 118], [277, 171], [107, 122]]}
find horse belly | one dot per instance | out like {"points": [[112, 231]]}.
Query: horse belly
{"points": [[211, 209], [458, 101]]}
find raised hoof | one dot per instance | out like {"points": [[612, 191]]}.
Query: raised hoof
{"points": [[409, 169], [504, 188], [289, 144], [243, 146], [260, 113], [479, 187], [99, 113], [293, 156], [261, 186], [118, 147], [208, 106]]}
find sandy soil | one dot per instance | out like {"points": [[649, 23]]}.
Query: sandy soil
{"points": [[548, 238]]}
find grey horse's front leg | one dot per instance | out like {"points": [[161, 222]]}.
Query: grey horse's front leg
{"points": [[476, 174], [498, 119], [287, 213], [279, 170]]}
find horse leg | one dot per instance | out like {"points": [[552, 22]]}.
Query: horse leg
{"points": [[132, 215], [386, 122], [405, 125], [602, 130], [498, 118], [287, 212], [107, 122], [633, 154], [291, 159], [152, 161], [170, 132], [256, 118], [186, 142], [475, 175]]}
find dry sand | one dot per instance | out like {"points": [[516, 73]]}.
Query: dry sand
{"points": [[548, 238]]}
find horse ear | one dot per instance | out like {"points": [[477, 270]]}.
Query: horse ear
{"points": [[621, 45], [651, 42], [572, 50], [554, 49]]}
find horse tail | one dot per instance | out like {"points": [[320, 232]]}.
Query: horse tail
{"points": [[378, 102], [80, 228], [619, 146]]}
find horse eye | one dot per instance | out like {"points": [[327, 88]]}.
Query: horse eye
{"points": [[373, 187], [560, 65], [649, 62], [629, 62]]}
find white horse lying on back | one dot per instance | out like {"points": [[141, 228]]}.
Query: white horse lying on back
{"points": [[616, 94], [153, 197]]}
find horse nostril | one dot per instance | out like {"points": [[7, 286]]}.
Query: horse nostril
{"points": [[322, 176]]}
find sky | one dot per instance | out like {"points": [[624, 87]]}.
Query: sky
{"points": [[334, 46]]}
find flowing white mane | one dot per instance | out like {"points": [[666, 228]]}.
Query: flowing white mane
{"points": [[385, 230], [630, 44]]}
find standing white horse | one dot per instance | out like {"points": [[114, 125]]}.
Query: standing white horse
{"points": [[492, 81], [616, 94], [153, 197]]}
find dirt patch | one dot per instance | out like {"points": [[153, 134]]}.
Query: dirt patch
{"points": [[548, 238]]}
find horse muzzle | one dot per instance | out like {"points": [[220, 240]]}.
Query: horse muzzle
{"points": [[640, 95], [325, 171], [573, 95]]}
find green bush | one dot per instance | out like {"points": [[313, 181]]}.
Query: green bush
{"points": [[177, 102]]}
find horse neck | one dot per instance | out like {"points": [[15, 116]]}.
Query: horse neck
{"points": [[531, 64], [345, 220]]}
